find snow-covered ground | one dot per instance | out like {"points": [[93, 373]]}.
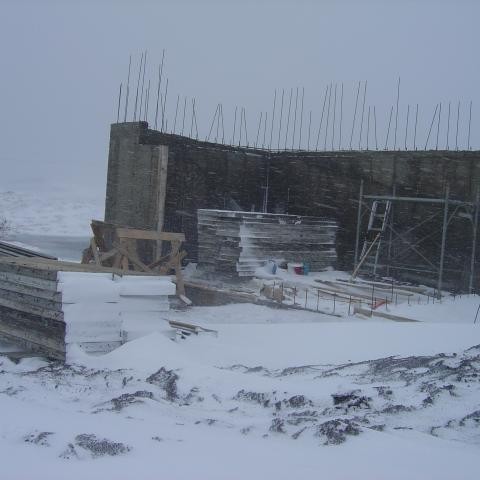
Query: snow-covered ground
{"points": [[276, 394]]}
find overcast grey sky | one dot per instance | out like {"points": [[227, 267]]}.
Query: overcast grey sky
{"points": [[62, 62]]}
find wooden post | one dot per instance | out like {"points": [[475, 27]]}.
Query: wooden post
{"points": [[161, 191]]}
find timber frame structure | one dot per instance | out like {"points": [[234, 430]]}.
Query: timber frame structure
{"points": [[128, 248]]}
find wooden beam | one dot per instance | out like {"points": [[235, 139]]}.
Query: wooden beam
{"points": [[149, 234], [93, 246]]}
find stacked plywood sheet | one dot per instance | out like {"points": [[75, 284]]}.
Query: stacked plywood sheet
{"points": [[47, 307], [240, 242]]}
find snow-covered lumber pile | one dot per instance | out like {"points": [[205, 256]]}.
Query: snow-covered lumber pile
{"points": [[47, 307], [240, 242]]}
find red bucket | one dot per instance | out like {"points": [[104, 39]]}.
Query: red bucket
{"points": [[298, 270]]}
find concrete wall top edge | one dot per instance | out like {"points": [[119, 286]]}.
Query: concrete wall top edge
{"points": [[151, 137]]}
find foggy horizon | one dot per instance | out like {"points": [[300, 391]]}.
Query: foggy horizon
{"points": [[64, 61]]}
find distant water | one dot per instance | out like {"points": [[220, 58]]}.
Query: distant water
{"points": [[63, 247]]}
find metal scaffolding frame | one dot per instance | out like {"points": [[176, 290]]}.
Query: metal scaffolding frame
{"points": [[447, 202]]}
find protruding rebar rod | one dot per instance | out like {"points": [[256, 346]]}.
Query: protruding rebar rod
{"points": [[309, 129], [191, 120], [241, 127], [264, 129], [406, 126], [341, 121], [223, 125], [375, 123], [328, 116], [160, 73], [368, 125], [295, 118], [281, 120], [301, 120], [456, 133], [184, 113], [258, 129], [119, 100], [273, 119], [438, 125], [288, 118], [363, 112], [388, 129], [469, 125], [164, 108], [147, 102], [218, 122], [234, 125], [321, 118], [128, 89], [431, 125], [213, 123], [195, 118], [138, 85], [143, 85], [354, 116], [334, 117], [415, 130], [396, 115], [245, 125], [447, 146], [176, 113]]}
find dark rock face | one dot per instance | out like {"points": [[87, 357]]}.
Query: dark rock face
{"points": [[38, 438], [167, 380], [100, 447], [256, 397], [335, 432], [126, 399]]}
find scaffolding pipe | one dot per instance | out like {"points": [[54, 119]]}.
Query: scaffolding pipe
{"points": [[444, 238], [474, 242], [359, 219]]}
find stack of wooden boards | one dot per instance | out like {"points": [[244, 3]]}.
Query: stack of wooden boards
{"points": [[240, 242], [48, 306]]}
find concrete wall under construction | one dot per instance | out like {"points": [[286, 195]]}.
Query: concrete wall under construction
{"points": [[326, 184]]}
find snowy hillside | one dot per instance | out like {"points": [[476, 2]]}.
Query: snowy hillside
{"points": [[49, 213], [276, 394]]}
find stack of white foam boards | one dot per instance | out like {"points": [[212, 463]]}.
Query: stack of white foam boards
{"points": [[96, 306], [143, 300]]}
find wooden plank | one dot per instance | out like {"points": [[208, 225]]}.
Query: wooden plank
{"points": [[386, 315], [29, 281], [149, 234], [19, 298], [43, 333], [26, 308], [62, 266], [29, 290], [30, 270], [127, 256]]}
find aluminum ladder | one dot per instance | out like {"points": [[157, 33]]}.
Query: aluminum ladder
{"points": [[377, 225]]}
